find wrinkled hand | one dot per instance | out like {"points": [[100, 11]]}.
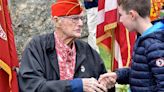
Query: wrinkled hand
{"points": [[92, 85], [108, 79]]}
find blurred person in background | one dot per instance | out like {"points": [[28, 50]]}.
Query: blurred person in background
{"points": [[91, 7]]}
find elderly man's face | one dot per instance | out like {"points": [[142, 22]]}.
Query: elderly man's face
{"points": [[72, 25]]}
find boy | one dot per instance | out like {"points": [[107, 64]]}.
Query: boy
{"points": [[147, 70]]}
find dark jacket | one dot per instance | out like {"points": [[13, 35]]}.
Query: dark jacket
{"points": [[145, 74], [89, 5], [39, 70]]}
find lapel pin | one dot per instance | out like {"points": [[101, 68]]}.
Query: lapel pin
{"points": [[82, 68]]}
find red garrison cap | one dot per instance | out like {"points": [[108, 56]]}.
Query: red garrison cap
{"points": [[66, 8]]}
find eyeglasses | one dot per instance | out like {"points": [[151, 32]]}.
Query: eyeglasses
{"points": [[74, 19]]}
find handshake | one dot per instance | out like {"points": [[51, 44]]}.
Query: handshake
{"points": [[106, 81]]}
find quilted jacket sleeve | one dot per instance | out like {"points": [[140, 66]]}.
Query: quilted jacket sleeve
{"points": [[123, 75], [155, 57]]}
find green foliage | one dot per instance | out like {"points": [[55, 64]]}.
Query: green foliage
{"points": [[122, 88], [106, 56]]}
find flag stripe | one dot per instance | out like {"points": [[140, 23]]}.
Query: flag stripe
{"points": [[107, 19], [100, 19], [100, 30], [105, 36], [110, 5], [7, 69], [123, 38], [101, 4], [129, 53], [3, 16], [117, 54], [112, 18]]}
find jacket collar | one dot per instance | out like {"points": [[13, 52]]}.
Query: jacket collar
{"points": [[80, 55], [52, 54], [156, 27]]}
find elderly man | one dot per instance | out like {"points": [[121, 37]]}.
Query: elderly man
{"points": [[58, 62]]}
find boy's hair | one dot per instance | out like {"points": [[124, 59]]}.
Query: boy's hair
{"points": [[141, 6]]}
